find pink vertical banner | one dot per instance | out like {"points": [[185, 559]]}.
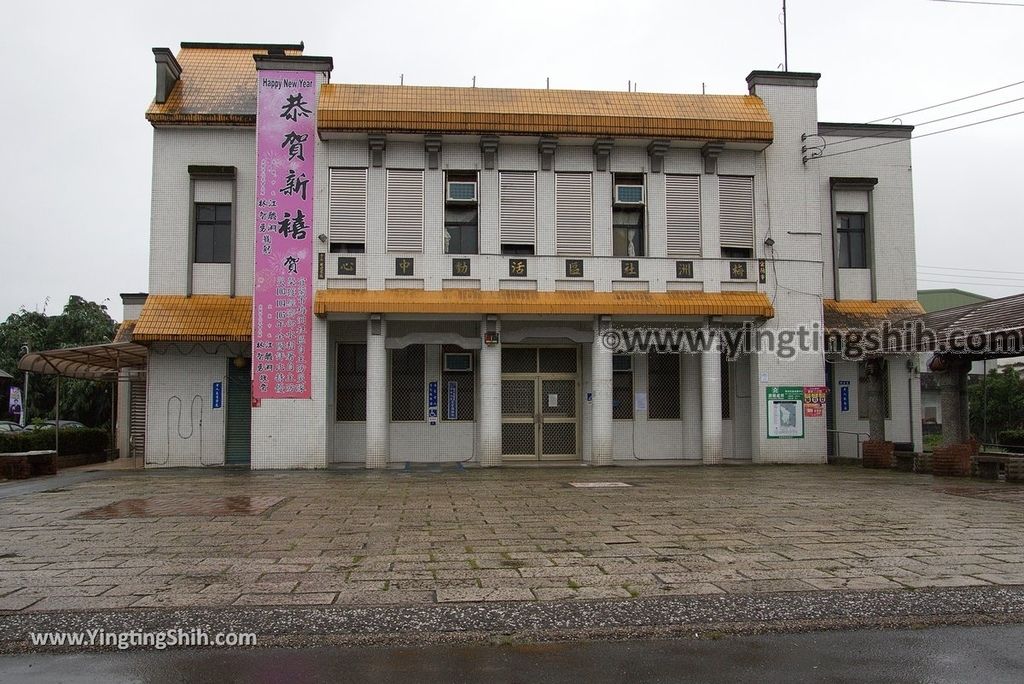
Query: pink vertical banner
{"points": [[282, 301]]}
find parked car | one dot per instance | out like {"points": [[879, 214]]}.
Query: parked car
{"points": [[8, 426], [50, 424]]}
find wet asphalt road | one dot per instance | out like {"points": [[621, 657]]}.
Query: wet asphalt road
{"points": [[944, 654]]}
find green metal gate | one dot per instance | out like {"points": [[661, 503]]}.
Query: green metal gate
{"points": [[239, 415]]}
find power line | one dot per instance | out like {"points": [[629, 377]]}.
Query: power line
{"points": [[943, 104], [924, 135], [926, 123], [972, 277], [983, 2], [979, 270], [1017, 286]]}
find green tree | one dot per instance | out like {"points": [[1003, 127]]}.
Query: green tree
{"points": [[80, 323], [996, 403]]}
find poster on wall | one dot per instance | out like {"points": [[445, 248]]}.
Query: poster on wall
{"points": [[814, 401], [282, 302], [785, 412]]}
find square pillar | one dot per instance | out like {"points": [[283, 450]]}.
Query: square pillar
{"points": [[711, 404], [490, 395], [378, 418], [601, 387]]}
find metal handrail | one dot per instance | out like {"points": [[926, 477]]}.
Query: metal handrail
{"points": [[839, 444]]}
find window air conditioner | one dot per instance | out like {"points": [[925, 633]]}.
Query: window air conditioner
{"points": [[458, 361], [629, 194], [461, 191]]}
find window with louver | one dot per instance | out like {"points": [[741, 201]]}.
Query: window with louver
{"points": [[348, 206], [404, 224], [736, 212], [517, 207], [574, 225], [682, 213]]}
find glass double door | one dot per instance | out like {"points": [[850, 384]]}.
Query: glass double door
{"points": [[539, 404]]}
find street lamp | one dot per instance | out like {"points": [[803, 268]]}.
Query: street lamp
{"points": [[24, 400]]}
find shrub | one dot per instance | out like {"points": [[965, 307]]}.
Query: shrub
{"points": [[1014, 439], [72, 441]]}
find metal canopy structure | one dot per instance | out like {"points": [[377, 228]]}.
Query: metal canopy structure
{"points": [[95, 362], [994, 328]]}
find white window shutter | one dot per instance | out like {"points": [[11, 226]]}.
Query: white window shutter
{"points": [[682, 215], [404, 225], [517, 207], [574, 209], [736, 211], [348, 206]]}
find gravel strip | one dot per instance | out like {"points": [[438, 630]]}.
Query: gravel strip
{"points": [[632, 618]]}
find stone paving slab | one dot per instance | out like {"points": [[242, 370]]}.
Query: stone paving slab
{"points": [[521, 535]]}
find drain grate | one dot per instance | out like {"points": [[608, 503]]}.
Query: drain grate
{"points": [[599, 485]]}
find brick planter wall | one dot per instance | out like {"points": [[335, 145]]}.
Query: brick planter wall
{"points": [[877, 454], [953, 461]]}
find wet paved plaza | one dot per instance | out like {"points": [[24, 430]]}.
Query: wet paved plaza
{"points": [[218, 538]]}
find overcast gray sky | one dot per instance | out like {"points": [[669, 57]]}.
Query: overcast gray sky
{"points": [[78, 77]]}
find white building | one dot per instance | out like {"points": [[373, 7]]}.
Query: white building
{"points": [[473, 245]]}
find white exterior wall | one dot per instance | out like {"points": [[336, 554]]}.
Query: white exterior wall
{"points": [[182, 429], [904, 423], [791, 210], [892, 218], [174, 149]]}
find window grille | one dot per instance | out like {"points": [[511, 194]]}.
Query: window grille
{"points": [[663, 386], [350, 388], [622, 387], [408, 388]]}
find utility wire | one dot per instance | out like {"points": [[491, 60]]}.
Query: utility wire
{"points": [[979, 270], [943, 104], [926, 123], [972, 277], [983, 2], [1015, 286], [924, 135]]}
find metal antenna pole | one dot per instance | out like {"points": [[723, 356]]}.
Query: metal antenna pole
{"points": [[785, 39]]}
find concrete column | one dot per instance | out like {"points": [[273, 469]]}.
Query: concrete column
{"points": [[490, 399], [952, 384], [689, 377], [378, 417], [601, 386], [875, 402], [711, 405]]}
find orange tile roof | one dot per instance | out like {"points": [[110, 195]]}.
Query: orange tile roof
{"points": [[852, 314], [217, 87], [384, 108], [463, 301], [199, 318], [124, 331]]}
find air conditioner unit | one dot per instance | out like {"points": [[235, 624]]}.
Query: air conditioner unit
{"points": [[461, 191], [458, 362], [629, 194]]}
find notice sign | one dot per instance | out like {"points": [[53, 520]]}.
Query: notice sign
{"points": [[785, 412], [282, 313], [814, 401], [844, 396]]}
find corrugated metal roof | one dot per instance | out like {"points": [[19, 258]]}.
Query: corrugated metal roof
{"points": [[464, 301], [384, 108], [947, 298], [199, 318]]}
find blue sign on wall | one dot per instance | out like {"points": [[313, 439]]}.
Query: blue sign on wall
{"points": [[432, 402], [844, 396], [453, 400], [218, 395]]}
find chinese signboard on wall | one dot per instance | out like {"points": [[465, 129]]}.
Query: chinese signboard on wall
{"points": [[282, 313], [785, 412], [814, 401]]}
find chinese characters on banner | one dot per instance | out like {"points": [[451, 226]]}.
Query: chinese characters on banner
{"points": [[282, 313]]}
